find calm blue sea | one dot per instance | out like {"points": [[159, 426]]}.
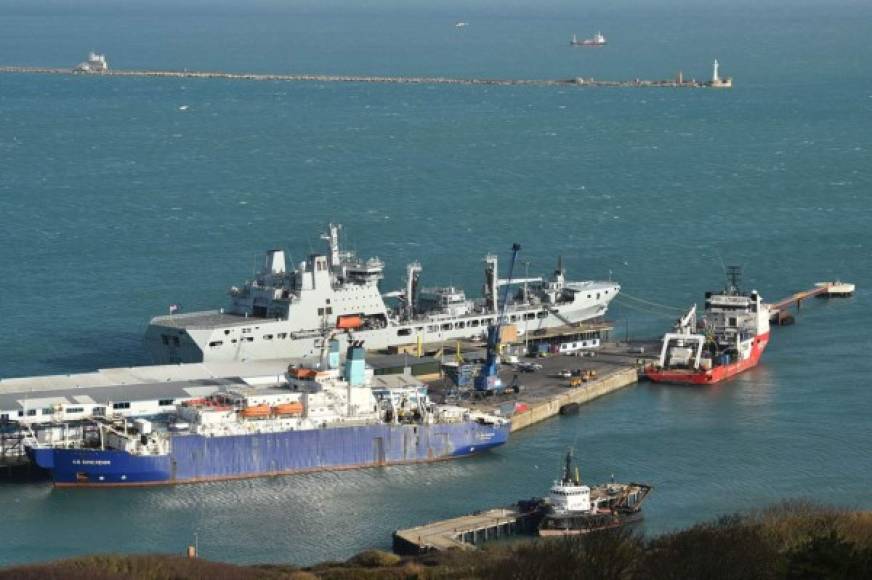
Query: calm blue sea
{"points": [[115, 203]]}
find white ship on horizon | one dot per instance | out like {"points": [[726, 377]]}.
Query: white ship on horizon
{"points": [[598, 40], [96, 63], [290, 314]]}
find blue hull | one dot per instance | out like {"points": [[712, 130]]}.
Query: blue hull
{"points": [[195, 458]]}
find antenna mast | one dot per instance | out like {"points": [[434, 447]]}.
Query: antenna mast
{"points": [[734, 279]]}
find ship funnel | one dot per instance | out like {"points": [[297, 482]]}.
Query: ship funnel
{"points": [[275, 261], [491, 281], [355, 364], [413, 275], [333, 355]]}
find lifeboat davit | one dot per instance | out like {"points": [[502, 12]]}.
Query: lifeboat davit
{"points": [[256, 411], [295, 408]]}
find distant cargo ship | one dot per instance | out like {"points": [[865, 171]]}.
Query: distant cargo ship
{"points": [[730, 339], [282, 314], [316, 420], [597, 40]]}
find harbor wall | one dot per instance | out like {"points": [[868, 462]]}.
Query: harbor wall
{"points": [[580, 395], [414, 80]]}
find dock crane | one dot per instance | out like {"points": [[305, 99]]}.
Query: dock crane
{"points": [[488, 379]]}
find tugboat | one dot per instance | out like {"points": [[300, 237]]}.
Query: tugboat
{"points": [[729, 340], [597, 40], [573, 508]]}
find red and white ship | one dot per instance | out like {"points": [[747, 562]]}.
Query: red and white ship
{"points": [[729, 340]]}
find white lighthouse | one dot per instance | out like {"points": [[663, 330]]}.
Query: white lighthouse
{"points": [[717, 81]]}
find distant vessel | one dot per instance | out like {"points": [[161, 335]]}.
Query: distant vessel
{"points": [[96, 63], [573, 508], [283, 314], [597, 40], [312, 420], [461, 25], [730, 339]]}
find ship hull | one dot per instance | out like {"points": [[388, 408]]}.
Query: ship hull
{"points": [[584, 524], [181, 339], [714, 375], [195, 458]]}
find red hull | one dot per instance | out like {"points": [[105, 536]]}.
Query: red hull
{"points": [[715, 374]]}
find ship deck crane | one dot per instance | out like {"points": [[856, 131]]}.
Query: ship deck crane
{"points": [[687, 323], [488, 380]]}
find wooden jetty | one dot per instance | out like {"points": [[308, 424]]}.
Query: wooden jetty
{"points": [[677, 82], [779, 312], [461, 533]]}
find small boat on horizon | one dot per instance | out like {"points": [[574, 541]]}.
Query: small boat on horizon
{"points": [[597, 40]]}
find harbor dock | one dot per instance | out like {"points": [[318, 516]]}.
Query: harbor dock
{"points": [[41, 407], [678, 82], [780, 311], [544, 394], [461, 533], [543, 390]]}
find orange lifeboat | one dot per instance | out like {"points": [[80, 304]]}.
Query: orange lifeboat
{"points": [[295, 408], [194, 402], [349, 322], [303, 373], [256, 411]]}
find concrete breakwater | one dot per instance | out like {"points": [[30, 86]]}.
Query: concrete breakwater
{"points": [[577, 81]]}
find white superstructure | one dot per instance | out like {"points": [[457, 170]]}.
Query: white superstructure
{"points": [[289, 314], [95, 63]]}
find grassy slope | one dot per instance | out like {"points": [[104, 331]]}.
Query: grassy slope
{"points": [[790, 541]]}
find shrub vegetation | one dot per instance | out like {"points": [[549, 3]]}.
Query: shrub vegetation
{"points": [[790, 541]]}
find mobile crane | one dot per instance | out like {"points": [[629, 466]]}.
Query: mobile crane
{"points": [[488, 380]]}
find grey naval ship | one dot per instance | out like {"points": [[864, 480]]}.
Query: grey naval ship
{"points": [[292, 314]]}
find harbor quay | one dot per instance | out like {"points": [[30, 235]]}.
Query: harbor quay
{"points": [[463, 532], [55, 407], [542, 390]]}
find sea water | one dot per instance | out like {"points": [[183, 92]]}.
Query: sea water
{"points": [[120, 196]]}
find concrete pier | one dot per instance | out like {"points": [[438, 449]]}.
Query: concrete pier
{"points": [[539, 411], [779, 312], [423, 80], [462, 533], [545, 392]]}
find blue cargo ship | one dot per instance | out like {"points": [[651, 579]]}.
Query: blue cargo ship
{"points": [[312, 420]]}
